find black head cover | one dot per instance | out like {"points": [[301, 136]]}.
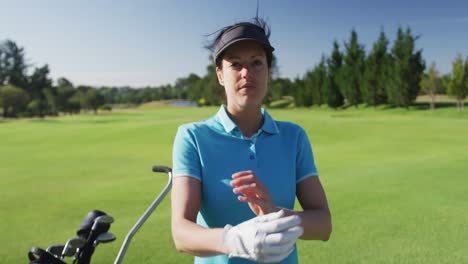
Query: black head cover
{"points": [[87, 224]]}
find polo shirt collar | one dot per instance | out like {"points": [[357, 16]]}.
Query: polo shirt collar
{"points": [[269, 125]]}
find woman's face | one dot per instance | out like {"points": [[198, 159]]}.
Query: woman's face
{"points": [[244, 74]]}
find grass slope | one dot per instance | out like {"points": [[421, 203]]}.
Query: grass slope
{"points": [[395, 179]]}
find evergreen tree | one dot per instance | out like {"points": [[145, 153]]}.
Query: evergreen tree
{"points": [[38, 82], [309, 86], [298, 92], [13, 66], [3, 66], [334, 97], [274, 70], [93, 99], [50, 100], [395, 80], [466, 83], [194, 89], [375, 74], [319, 83], [65, 92], [185, 86], [406, 71], [353, 70], [278, 88], [416, 69], [306, 90], [213, 92]]}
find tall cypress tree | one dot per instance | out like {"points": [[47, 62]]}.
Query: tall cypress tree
{"points": [[353, 70], [309, 86], [396, 63], [319, 83], [466, 84], [406, 71], [417, 65], [298, 91], [335, 98], [375, 77]]}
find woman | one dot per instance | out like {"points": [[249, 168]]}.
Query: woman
{"points": [[236, 175]]}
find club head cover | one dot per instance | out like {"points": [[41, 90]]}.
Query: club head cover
{"points": [[85, 227]]}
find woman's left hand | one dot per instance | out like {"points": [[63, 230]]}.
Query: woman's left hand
{"points": [[255, 193]]}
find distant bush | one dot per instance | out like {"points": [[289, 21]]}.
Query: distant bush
{"points": [[283, 103], [13, 100], [124, 106], [105, 107]]}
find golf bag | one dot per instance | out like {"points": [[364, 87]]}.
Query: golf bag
{"points": [[92, 231], [95, 224]]}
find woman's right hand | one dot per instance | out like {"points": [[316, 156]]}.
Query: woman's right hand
{"points": [[253, 191]]}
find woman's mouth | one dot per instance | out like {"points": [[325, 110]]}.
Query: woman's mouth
{"points": [[248, 86]]}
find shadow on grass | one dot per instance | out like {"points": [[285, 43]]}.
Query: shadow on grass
{"points": [[427, 106], [424, 106], [102, 121], [82, 119], [47, 120]]}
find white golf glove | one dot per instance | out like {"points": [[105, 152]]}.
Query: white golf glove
{"points": [[266, 238]]}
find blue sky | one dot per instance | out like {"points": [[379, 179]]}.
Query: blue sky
{"points": [[141, 43]]}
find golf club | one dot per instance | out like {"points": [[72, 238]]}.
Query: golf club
{"points": [[104, 238], [71, 246], [103, 219], [56, 249]]}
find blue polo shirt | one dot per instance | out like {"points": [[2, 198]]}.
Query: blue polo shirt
{"points": [[212, 150]]}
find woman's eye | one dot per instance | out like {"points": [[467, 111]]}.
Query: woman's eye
{"points": [[236, 65], [257, 63]]}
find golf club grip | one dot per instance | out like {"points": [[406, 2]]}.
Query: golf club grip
{"points": [[165, 169]]}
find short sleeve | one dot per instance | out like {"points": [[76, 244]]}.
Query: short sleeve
{"points": [[305, 164], [185, 156]]}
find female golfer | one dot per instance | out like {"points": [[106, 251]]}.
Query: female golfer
{"points": [[237, 174]]}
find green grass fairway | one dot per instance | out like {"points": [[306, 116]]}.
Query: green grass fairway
{"points": [[396, 180]]}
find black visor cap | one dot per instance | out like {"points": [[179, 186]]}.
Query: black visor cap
{"points": [[241, 32]]}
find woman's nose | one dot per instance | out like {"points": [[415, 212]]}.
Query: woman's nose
{"points": [[246, 71]]}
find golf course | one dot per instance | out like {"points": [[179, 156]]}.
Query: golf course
{"points": [[396, 181]]}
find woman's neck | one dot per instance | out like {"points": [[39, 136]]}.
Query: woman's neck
{"points": [[249, 120]]}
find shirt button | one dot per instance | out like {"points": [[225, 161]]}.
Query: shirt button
{"points": [[252, 156]]}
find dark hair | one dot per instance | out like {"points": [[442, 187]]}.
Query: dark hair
{"points": [[259, 22]]}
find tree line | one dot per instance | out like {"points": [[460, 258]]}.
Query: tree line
{"points": [[349, 76], [386, 75]]}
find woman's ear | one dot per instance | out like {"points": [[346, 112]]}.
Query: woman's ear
{"points": [[219, 73]]}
